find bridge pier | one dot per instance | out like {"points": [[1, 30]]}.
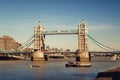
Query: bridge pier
{"points": [[83, 59], [89, 56], [37, 56]]}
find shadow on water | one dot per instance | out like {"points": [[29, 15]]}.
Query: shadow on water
{"points": [[115, 75], [91, 75]]}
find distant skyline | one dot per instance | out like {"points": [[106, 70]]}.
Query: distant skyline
{"points": [[18, 18]]}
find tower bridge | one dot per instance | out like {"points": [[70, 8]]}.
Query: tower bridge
{"points": [[82, 58]]}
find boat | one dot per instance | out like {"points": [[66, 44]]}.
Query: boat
{"points": [[72, 64], [4, 58], [115, 57], [34, 66]]}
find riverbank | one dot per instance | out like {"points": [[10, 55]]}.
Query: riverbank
{"points": [[112, 74]]}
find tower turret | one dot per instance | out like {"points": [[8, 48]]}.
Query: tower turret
{"points": [[83, 55]]}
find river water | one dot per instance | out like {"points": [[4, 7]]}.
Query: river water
{"points": [[53, 70]]}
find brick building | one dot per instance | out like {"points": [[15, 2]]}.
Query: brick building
{"points": [[8, 43]]}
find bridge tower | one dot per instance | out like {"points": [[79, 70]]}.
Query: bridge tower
{"points": [[83, 54], [38, 43]]}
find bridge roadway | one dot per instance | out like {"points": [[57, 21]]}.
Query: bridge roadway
{"points": [[60, 32], [65, 53], [91, 52], [107, 52]]}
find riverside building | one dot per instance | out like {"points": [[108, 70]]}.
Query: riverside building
{"points": [[8, 43]]}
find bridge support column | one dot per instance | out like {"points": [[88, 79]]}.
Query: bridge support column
{"points": [[37, 56], [39, 45], [82, 58]]}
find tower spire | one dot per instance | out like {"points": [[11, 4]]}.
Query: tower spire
{"points": [[83, 19], [39, 21], [79, 23]]}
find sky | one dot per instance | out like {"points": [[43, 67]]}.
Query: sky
{"points": [[18, 18]]}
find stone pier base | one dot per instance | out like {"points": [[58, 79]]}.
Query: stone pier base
{"points": [[83, 58], [84, 62], [37, 56]]}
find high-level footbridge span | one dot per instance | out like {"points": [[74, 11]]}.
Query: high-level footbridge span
{"points": [[60, 32]]}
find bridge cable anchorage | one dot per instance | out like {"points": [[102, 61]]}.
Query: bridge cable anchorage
{"points": [[27, 43], [101, 45]]}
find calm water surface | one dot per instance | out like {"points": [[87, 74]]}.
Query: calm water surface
{"points": [[52, 70]]}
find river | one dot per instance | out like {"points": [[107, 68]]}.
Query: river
{"points": [[53, 70]]}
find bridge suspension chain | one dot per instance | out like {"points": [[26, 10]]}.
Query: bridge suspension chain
{"points": [[27, 43], [101, 45], [30, 44], [28, 40]]}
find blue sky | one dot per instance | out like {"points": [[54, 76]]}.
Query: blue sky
{"points": [[18, 17]]}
